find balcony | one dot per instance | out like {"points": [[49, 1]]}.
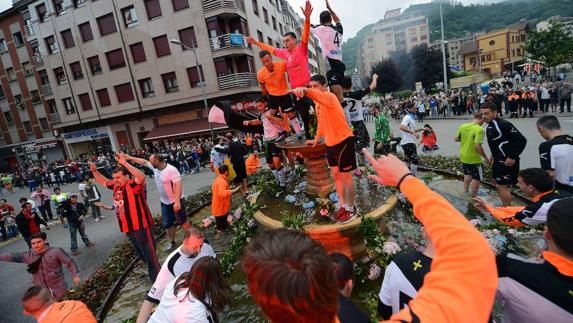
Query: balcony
{"points": [[238, 80], [229, 44], [54, 118], [37, 59], [29, 31], [46, 90], [220, 7]]}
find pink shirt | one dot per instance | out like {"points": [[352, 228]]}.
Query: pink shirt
{"points": [[296, 64]]}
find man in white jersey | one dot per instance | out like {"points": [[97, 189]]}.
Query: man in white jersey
{"points": [[273, 131], [178, 262], [330, 37], [168, 182], [409, 138]]}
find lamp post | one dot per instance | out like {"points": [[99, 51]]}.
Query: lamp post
{"points": [[444, 51], [201, 80]]}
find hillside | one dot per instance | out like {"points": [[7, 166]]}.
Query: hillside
{"points": [[459, 19]]}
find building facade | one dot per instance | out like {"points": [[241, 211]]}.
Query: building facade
{"points": [[394, 33], [565, 22], [109, 76], [454, 57]]}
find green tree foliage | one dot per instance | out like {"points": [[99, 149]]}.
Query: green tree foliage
{"points": [[553, 46], [427, 65], [389, 76]]}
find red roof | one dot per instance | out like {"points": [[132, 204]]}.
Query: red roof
{"points": [[182, 129]]}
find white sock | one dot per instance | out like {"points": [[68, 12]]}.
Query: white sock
{"points": [[282, 177], [296, 126], [348, 208]]}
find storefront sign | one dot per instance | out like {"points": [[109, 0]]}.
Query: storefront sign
{"points": [[85, 135], [34, 148]]}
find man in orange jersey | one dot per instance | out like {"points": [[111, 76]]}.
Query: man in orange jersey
{"points": [[253, 163], [333, 126], [133, 214], [273, 83], [460, 287], [221, 199], [38, 303]]}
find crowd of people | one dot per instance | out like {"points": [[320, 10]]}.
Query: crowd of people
{"points": [[290, 276]]}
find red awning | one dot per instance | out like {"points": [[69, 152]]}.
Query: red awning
{"points": [[182, 129]]}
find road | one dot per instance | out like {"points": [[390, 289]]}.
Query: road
{"points": [[105, 234]]}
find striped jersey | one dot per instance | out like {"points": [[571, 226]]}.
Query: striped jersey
{"points": [[130, 206]]}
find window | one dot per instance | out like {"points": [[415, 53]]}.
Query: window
{"points": [[137, 52], [492, 42], [52, 108], [67, 38], [3, 46], [522, 38], [106, 24], [513, 52], [518, 51], [9, 118], [76, 69], [170, 82], [59, 7], [265, 15], [115, 59], [11, 74], [423, 37], [260, 36], [281, 29], [95, 66], [19, 102], [194, 80], [413, 39], [44, 125], [255, 7], [269, 41], [274, 22], [180, 4], [146, 86], [44, 77], [2, 95], [79, 3], [27, 127], [86, 31], [51, 45], [124, 93], [60, 75], [103, 97], [85, 102], [161, 46], [35, 96], [187, 37], [42, 12], [129, 16], [69, 105], [27, 69], [153, 8], [18, 40]]}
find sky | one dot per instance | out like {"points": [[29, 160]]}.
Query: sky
{"points": [[354, 14]]}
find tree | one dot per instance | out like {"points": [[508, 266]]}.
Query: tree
{"points": [[389, 77], [552, 46], [427, 65], [402, 60]]}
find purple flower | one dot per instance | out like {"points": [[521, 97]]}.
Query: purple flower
{"points": [[374, 272]]}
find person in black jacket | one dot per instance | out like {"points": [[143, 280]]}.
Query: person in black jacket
{"points": [[348, 312], [75, 213], [506, 144], [237, 152], [28, 222]]}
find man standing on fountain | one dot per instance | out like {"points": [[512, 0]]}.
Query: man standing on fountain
{"points": [[296, 59], [332, 125]]}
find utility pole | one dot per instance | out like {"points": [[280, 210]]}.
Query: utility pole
{"points": [[444, 51]]}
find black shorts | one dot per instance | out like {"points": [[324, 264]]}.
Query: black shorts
{"points": [[335, 75], [283, 101], [241, 172], [473, 170], [342, 155], [411, 153], [505, 175], [221, 222], [271, 150]]}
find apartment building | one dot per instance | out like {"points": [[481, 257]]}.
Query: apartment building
{"points": [[454, 58], [109, 76], [565, 22], [394, 33]]}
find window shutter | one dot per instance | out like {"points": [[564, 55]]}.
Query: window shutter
{"points": [[138, 52], [85, 102], [124, 92], [153, 8], [103, 97]]}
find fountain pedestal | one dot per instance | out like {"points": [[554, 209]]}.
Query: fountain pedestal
{"points": [[319, 181]]}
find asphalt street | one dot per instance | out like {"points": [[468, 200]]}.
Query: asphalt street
{"points": [[105, 234]]}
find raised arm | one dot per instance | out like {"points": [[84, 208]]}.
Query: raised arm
{"points": [[334, 16], [138, 175], [306, 11], [139, 161], [263, 46], [97, 175]]}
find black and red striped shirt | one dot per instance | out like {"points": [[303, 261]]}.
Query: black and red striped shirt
{"points": [[130, 206]]}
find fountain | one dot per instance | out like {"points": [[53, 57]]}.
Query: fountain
{"points": [[334, 237]]}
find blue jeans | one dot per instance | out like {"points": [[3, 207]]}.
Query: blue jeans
{"points": [[143, 242], [74, 228], [12, 231]]}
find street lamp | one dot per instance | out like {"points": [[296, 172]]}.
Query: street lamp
{"points": [[444, 51], [201, 80]]}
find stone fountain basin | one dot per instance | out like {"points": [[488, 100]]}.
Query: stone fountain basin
{"points": [[342, 238]]}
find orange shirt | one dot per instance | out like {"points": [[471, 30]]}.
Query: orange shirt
{"points": [[462, 283], [68, 311], [248, 141], [220, 196], [275, 81], [332, 124], [253, 163]]}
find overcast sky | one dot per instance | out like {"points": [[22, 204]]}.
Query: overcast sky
{"points": [[354, 14]]}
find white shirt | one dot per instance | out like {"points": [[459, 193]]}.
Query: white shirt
{"points": [[354, 110], [544, 93], [176, 264], [271, 130], [421, 107], [330, 38], [408, 138], [81, 187], [180, 308], [165, 179]]}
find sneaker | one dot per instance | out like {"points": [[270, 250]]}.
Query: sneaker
{"points": [[334, 217], [91, 244], [102, 217], [170, 246], [96, 220], [347, 216]]}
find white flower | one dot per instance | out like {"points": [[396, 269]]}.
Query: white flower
{"points": [[512, 231], [475, 222], [496, 231], [374, 272], [391, 248]]}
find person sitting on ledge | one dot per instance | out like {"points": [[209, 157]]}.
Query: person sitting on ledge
{"points": [[536, 184], [288, 279]]}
